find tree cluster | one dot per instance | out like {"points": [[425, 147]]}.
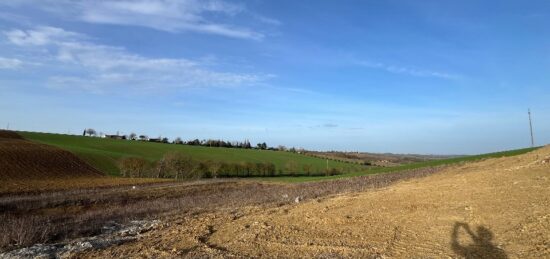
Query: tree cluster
{"points": [[89, 132], [135, 167], [179, 166], [218, 143], [194, 142]]}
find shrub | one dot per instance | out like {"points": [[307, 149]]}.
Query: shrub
{"points": [[291, 167], [176, 165], [333, 171], [214, 168], [23, 230], [307, 169], [134, 167], [200, 170]]}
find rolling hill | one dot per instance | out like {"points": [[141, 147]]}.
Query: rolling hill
{"points": [[103, 154]]}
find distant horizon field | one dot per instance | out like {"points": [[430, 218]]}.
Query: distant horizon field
{"points": [[411, 166], [104, 154]]}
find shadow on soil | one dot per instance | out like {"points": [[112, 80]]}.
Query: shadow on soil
{"points": [[482, 246]]}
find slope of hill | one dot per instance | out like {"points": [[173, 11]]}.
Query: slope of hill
{"points": [[379, 159], [21, 159], [496, 208], [104, 154]]}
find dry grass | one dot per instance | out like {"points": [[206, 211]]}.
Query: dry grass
{"points": [[10, 187], [79, 212]]}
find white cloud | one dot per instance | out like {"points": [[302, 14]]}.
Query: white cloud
{"points": [[203, 16], [42, 35], [10, 63], [102, 68], [407, 70]]}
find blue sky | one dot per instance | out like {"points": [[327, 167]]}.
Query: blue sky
{"points": [[440, 77]]}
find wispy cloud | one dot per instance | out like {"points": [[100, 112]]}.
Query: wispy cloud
{"points": [[325, 126], [42, 35], [14, 18], [329, 125], [101, 68], [203, 16], [10, 63], [407, 70], [268, 20]]}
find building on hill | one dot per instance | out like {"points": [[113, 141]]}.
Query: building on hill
{"points": [[115, 136]]}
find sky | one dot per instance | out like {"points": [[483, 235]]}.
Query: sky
{"points": [[430, 77]]}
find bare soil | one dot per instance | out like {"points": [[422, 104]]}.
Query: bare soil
{"points": [[29, 218], [22, 159], [30, 167], [497, 208]]}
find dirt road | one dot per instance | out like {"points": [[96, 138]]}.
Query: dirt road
{"points": [[497, 208]]}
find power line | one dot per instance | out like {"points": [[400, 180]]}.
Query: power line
{"points": [[531, 128]]}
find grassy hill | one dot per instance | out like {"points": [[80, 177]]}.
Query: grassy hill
{"points": [[104, 154]]}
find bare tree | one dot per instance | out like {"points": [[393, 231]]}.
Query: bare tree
{"points": [[291, 167], [178, 165], [90, 132], [134, 167], [178, 141], [307, 169], [214, 168], [132, 136]]}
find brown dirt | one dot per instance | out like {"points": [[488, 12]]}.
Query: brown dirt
{"points": [[28, 218], [496, 208], [25, 186], [22, 159], [27, 166]]}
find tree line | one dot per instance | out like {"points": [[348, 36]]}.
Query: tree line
{"points": [[194, 142], [179, 166]]}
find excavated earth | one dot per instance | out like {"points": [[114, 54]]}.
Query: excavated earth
{"points": [[496, 208]]}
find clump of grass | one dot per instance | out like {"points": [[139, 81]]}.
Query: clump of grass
{"points": [[23, 231]]}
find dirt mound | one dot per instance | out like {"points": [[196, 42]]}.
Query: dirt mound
{"points": [[21, 159], [5, 134]]}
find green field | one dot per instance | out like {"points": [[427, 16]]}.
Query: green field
{"points": [[431, 163], [104, 154]]}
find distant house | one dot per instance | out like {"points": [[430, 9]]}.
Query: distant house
{"points": [[155, 140], [115, 137]]}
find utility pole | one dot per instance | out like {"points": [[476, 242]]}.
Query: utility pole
{"points": [[8, 127], [531, 128]]}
